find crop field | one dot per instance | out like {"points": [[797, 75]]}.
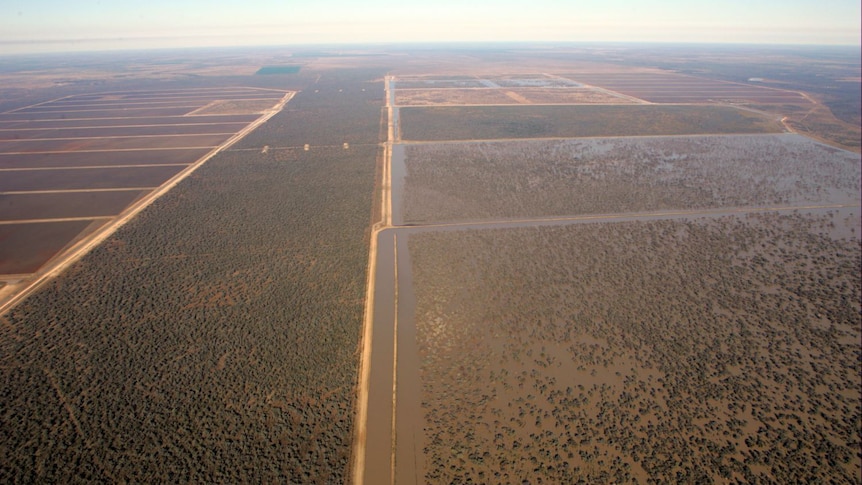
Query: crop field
{"points": [[684, 351], [495, 122], [78, 156], [677, 88], [532, 178]]}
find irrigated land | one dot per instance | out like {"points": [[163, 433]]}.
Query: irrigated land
{"points": [[478, 181], [665, 351]]}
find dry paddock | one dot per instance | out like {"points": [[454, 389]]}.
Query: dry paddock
{"points": [[68, 165]]}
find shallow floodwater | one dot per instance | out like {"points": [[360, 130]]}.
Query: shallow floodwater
{"points": [[398, 173]]}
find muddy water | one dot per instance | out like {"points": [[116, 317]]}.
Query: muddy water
{"points": [[394, 297], [409, 420], [396, 122], [398, 172], [378, 455]]}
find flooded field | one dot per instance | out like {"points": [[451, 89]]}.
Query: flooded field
{"points": [[480, 181], [587, 351]]}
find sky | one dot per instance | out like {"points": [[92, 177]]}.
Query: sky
{"points": [[68, 25]]}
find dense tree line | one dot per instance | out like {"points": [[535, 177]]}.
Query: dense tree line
{"points": [[660, 352], [212, 339]]}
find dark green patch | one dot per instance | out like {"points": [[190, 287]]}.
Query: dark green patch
{"points": [[289, 69]]}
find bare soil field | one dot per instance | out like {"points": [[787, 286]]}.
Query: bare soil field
{"points": [[515, 95], [665, 351], [66, 204], [90, 114], [240, 107], [122, 121], [479, 181], [454, 96], [677, 88], [439, 83], [119, 131], [80, 143], [111, 144], [87, 178], [24, 248], [106, 159], [495, 122]]}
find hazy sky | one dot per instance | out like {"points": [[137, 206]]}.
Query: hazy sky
{"points": [[40, 25]]}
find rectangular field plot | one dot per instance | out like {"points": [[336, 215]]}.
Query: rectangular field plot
{"points": [[87, 178], [24, 248], [431, 97], [107, 158], [495, 122], [677, 88], [591, 348], [90, 114], [117, 122], [92, 156], [114, 131], [484, 180], [428, 83], [16, 207], [113, 143]]}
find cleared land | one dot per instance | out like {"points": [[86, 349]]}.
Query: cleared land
{"points": [[24, 248], [671, 351], [103, 144], [65, 204], [102, 159], [677, 88], [517, 179], [494, 122], [430, 97], [86, 178]]}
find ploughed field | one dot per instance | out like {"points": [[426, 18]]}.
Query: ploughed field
{"points": [[448, 182], [90, 156], [665, 351]]}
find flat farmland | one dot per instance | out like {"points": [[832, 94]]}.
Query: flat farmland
{"points": [[515, 95], [496, 122], [538, 178], [112, 143], [678, 88], [29, 206], [7, 135], [24, 248], [79, 156], [121, 121], [87, 178], [175, 156]]}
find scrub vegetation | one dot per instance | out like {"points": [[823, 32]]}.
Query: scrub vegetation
{"points": [[469, 181], [214, 338], [496, 122], [676, 351]]}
